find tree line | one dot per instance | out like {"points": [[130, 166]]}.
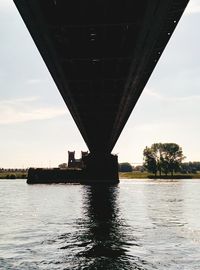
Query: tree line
{"points": [[163, 158], [190, 167]]}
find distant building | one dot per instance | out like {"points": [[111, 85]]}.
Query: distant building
{"points": [[76, 163]]}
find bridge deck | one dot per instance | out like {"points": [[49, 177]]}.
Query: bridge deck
{"points": [[100, 55]]}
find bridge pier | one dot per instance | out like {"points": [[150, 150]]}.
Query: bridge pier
{"points": [[100, 168]]}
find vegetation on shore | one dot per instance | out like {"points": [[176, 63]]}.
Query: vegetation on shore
{"points": [[122, 175], [163, 158], [13, 175], [161, 161], [146, 175]]}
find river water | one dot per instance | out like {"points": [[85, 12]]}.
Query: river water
{"points": [[139, 224]]}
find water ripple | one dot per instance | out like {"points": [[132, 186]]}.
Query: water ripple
{"points": [[137, 225]]}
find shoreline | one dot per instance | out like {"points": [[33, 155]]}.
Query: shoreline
{"points": [[122, 175], [146, 175]]}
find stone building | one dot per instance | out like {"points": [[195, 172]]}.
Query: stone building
{"points": [[76, 163]]}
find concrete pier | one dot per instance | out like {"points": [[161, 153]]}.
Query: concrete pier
{"points": [[100, 168]]}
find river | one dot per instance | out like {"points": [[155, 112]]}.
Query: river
{"points": [[139, 224]]}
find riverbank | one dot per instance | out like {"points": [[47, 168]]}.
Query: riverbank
{"points": [[124, 175], [146, 175], [13, 175]]}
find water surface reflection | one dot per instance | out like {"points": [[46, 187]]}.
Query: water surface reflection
{"points": [[103, 234], [142, 225]]}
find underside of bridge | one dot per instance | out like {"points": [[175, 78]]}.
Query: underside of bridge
{"points": [[101, 54]]}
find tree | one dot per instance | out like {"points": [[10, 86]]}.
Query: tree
{"points": [[150, 160], [62, 166], [125, 167], [172, 157], [190, 167], [163, 157], [139, 168]]}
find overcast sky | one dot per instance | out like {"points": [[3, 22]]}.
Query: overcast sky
{"points": [[36, 128]]}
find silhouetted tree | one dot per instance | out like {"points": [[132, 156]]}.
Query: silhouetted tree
{"points": [[190, 167], [150, 163], [125, 167], [163, 157], [63, 166], [172, 155]]}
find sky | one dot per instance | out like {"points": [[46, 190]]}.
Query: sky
{"points": [[36, 128]]}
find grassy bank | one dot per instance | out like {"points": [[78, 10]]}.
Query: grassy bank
{"points": [[13, 175], [132, 175], [124, 175], [146, 175]]}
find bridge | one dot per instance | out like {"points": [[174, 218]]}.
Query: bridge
{"points": [[101, 54]]}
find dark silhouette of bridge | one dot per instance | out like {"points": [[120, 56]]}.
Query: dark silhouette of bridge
{"points": [[101, 54]]}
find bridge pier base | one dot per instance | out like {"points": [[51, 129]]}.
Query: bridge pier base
{"points": [[100, 168]]}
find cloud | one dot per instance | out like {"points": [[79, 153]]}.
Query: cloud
{"points": [[193, 7], [25, 110], [191, 98], [154, 94], [33, 81], [6, 5], [18, 101]]}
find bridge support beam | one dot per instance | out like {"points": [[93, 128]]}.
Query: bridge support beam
{"points": [[100, 168]]}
